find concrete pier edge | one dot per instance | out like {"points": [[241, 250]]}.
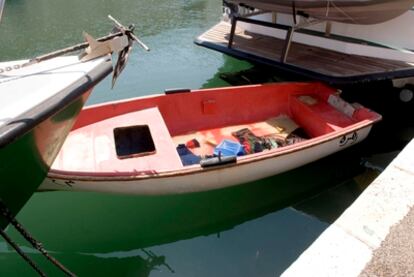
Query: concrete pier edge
{"points": [[347, 246]]}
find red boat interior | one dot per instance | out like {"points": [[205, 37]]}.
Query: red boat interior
{"points": [[143, 135]]}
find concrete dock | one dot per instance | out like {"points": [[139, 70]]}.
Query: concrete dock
{"points": [[374, 236]]}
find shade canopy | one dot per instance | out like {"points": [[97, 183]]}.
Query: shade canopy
{"points": [[347, 11]]}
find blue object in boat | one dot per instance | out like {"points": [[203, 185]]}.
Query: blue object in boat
{"points": [[187, 157], [229, 148]]}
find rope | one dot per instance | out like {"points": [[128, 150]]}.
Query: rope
{"points": [[342, 12], [58, 53], [129, 31], [36, 244]]}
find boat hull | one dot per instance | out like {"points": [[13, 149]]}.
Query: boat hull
{"points": [[40, 113], [353, 12], [25, 162], [244, 171]]}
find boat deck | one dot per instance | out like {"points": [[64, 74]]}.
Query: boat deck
{"points": [[92, 148], [280, 126], [310, 61]]}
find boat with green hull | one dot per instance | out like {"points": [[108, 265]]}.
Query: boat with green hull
{"points": [[40, 100], [38, 112]]}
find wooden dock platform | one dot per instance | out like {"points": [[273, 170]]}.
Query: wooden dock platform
{"points": [[310, 61]]}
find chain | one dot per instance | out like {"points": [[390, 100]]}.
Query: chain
{"points": [[10, 68], [119, 31], [4, 210], [21, 253], [58, 53]]}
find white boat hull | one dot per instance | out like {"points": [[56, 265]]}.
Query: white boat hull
{"points": [[351, 12], [247, 169]]}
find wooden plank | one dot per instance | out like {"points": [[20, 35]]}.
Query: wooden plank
{"points": [[313, 58], [343, 63]]}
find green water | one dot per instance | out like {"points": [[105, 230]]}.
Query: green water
{"points": [[249, 230]]}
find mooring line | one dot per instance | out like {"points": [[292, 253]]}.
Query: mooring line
{"points": [[5, 211], [21, 253]]}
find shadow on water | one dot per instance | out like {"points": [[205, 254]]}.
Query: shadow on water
{"points": [[397, 126], [246, 75]]}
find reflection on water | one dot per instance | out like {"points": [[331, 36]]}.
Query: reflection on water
{"points": [[248, 230], [144, 260]]}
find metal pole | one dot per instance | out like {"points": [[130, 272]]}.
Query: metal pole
{"points": [[288, 42], [232, 30]]}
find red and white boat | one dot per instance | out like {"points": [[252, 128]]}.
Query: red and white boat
{"points": [[130, 146]]}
